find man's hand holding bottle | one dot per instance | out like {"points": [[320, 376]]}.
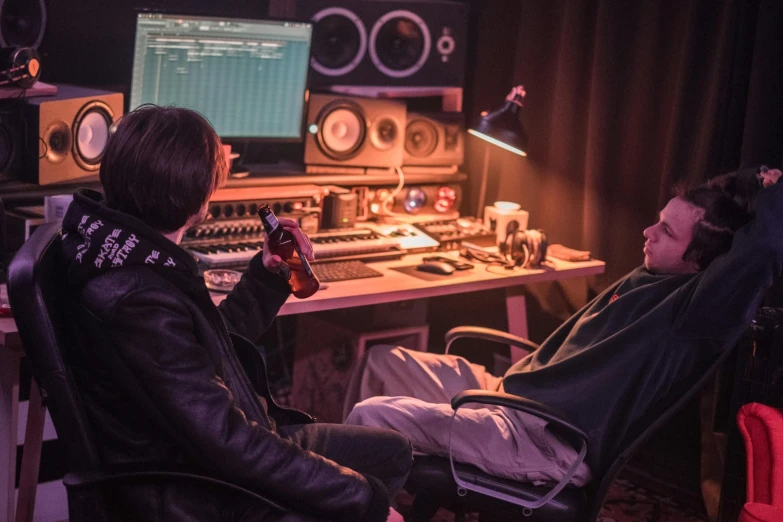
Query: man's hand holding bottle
{"points": [[288, 253], [272, 262]]}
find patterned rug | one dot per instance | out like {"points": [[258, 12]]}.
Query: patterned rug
{"points": [[626, 502]]}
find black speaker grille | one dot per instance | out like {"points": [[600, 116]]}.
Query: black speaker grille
{"points": [[22, 23]]}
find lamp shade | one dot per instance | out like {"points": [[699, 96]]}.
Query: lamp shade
{"points": [[502, 127]]}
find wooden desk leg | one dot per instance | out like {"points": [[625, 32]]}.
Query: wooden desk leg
{"points": [[516, 312], [31, 456], [9, 413]]}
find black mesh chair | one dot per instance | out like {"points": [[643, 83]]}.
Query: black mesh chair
{"points": [[438, 482], [35, 290]]}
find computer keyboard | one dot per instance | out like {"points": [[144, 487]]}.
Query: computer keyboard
{"points": [[343, 270]]}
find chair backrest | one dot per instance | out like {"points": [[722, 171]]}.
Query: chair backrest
{"points": [[660, 414], [37, 295]]}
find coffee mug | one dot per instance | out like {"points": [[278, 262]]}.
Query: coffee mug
{"points": [[56, 206]]}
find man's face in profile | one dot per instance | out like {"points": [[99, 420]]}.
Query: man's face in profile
{"points": [[668, 239]]}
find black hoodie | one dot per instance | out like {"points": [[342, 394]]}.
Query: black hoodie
{"points": [[158, 369], [649, 334]]}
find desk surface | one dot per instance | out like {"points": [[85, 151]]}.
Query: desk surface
{"points": [[396, 286]]}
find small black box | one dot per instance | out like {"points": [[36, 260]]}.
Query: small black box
{"points": [[340, 210]]}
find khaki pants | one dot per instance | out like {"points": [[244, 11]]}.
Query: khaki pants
{"points": [[498, 440]]}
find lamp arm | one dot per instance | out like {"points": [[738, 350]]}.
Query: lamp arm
{"points": [[483, 186]]}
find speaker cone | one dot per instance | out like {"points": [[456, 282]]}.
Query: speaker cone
{"points": [[7, 148], [341, 130], [339, 41], [421, 138], [91, 133], [22, 23], [399, 43]]}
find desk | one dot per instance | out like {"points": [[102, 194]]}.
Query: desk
{"points": [[398, 286], [394, 286]]}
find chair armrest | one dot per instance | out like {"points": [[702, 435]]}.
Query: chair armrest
{"points": [[518, 403], [755, 512], [80, 481], [487, 334], [515, 402]]}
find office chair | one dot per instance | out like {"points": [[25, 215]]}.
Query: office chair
{"points": [[438, 482], [761, 427], [35, 290]]}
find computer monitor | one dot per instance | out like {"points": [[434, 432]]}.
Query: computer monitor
{"points": [[247, 77]]}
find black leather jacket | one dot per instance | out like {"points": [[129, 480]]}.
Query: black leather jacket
{"points": [[163, 384]]}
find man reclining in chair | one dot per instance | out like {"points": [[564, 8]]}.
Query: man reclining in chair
{"points": [[161, 378], [603, 368]]}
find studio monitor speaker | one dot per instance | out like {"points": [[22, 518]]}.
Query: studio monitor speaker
{"points": [[69, 132], [386, 42], [354, 132], [11, 142], [22, 23], [435, 139]]}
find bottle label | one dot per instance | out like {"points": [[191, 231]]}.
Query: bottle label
{"points": [[305, 263], [271, 221]]}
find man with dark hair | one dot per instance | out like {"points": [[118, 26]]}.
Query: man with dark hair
{"points": [[705, 270], [168, 380]]}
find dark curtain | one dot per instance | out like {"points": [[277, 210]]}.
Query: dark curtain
{"points": [[625, 99]]}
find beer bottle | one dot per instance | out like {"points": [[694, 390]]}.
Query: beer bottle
{"points": [[295, 268]]}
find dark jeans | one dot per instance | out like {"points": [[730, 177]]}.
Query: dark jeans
{"points": [[384, 454]]}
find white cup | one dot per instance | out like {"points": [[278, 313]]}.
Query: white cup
{"points": [[56, 206]]}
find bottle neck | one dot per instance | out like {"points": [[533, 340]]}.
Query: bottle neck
{"points": [[270, 222]]}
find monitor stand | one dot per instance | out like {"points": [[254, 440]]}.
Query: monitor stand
{"points": [[264, 170], [267, 159]]}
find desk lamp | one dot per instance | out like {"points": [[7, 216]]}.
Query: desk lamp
{"points": [[502, 128]]}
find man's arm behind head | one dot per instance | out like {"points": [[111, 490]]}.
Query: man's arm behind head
{"points": [[742, 185]]}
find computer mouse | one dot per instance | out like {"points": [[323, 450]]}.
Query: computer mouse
{"points": [[436, 267]]}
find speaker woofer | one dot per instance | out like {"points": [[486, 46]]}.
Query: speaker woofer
{"points": [[400, 43], [341, 130], [22, 23], [339, 41], [91, 133], [421, 138]]}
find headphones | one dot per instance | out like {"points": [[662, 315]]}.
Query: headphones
{"points": [[20, 66], [525, 248], [22, 26], [521, 248]]}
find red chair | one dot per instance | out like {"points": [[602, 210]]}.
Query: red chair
{"points": [[762, 430]]}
